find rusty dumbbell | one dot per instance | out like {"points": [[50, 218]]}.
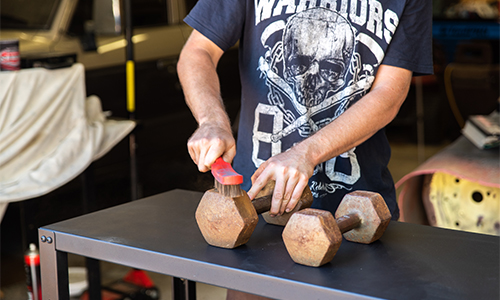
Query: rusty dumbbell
{"points": [[312, 236], [228, 222]]}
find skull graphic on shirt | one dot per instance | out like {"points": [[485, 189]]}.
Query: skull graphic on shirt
{"points": [[317, 49], [312, 63]]}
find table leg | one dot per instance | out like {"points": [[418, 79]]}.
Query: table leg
{"points": [[53, 268], [94, 278], [183, 289], [88, 189]]}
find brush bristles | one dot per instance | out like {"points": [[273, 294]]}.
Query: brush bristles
{"points": [[228, 190]]}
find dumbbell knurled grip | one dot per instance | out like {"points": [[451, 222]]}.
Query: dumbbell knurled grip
{"points": [[348, 222], [262, 204]]}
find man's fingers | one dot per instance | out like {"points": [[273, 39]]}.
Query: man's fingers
{"points": [[193, 154], [257, 173], [277, 205], [209, 142], [257, 186], [278, 197], [204, 162], [204, 154], [289, 201], [202, 167], [229, 154], [297, 193], [291, 175]]}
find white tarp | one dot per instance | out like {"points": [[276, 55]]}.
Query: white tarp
{"points": [[49, 131]]}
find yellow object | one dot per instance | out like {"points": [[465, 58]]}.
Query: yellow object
{"points": [[130, 86], [455, 203]]}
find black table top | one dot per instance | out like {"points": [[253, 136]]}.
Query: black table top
{"points": [[409, 262]]}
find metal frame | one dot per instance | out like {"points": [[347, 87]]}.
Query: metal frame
{"points": [[54, 269], [54, 263]]}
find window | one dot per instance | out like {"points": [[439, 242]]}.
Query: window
{"points": [[27, 14]]}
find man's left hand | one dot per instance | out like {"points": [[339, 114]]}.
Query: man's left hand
{"points": [[291, 171]]}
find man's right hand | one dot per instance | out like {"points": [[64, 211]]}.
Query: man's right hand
{"points": [[197, 70], [209, 142]]}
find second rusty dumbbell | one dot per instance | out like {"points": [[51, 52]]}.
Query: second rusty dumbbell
{"points": [[312, 236]]}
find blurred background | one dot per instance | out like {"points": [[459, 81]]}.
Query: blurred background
{"points": [[55, 34]]}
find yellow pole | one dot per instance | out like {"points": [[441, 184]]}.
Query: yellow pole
{"points": [[130, 86]]}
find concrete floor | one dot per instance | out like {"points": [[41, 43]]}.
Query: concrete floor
{"points": [[405, 158]]}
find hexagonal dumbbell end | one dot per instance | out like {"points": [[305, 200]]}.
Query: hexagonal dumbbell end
{"points": [[372, 211], [312, 237], [224, 221], [305, 201]]}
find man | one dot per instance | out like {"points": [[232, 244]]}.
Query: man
{"points": [[320, 81]]}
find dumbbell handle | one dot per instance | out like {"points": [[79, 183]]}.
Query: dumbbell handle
{"points": [[348, 222], [262, 204]]}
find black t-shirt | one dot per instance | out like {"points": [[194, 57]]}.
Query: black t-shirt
{"points": [[302, 64]]}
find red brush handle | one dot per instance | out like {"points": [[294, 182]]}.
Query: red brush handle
{"points": [[224, 173]]}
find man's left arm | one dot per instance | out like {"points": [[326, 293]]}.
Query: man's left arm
{"points": [[292, 169]]}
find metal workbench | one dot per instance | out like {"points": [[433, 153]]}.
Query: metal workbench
{"points": [[160, 234]]}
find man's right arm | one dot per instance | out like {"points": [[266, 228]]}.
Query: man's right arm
{"points": [[197, 70]]}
